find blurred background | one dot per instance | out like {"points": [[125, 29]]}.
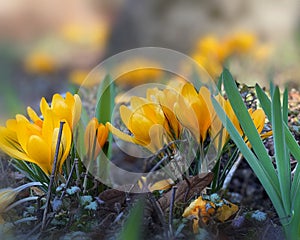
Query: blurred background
{"points": [[47, 45]]}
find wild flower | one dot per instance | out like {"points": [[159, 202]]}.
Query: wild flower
{"points": [[40, 63], [145, 120], [68, 108], [95, 137], [34, 139], [193, 112], [212, 52]]}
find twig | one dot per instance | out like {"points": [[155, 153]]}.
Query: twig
{"points": [[52, 175], [174, 188], [157, 165], [77, 172], [158, 210], [69, 178], [27, 236], [231, 172]]}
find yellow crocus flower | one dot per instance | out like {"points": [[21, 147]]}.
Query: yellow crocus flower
{"points": [[192, 111], [258, 116], [166, 99], [218, 133], [240, 43], [8, 195], [30, 142], [211, 52], [68, 108], [145, 120], [95, 137], [40, 63], [35, 141], [212, 48]]}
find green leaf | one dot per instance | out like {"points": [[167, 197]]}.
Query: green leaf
{"points": [[132, 228], [252, 160], [264, 101], [272, 88], [281, 156], [295, 186], [105, 106], [285, 106], [290, 140], [248, 126], [105, 96]]}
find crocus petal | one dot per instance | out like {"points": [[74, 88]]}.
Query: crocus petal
{"points": [[65, 145], [24, 130], [203, 118], [153, 112], [76, 110], [7, 196], [137, 102], [189, 93], [34, 117], [205, 94], [187, 118], [62, 110], [44, 106], [120, 134], [90, 135], [56, 99], [259, 117], [141, 133], [156, 134], [39, 153], [102, 134], [162, 185], [9, 144], [11, 124], [51, 122], [125, 114]]}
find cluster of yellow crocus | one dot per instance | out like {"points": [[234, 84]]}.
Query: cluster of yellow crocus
{"points": [[161, 117], [151, 120], [34, 139], [212, 52], [195, 112]]}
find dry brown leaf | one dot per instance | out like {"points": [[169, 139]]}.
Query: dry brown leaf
{"points": [[112, 196], [197, 184]]}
